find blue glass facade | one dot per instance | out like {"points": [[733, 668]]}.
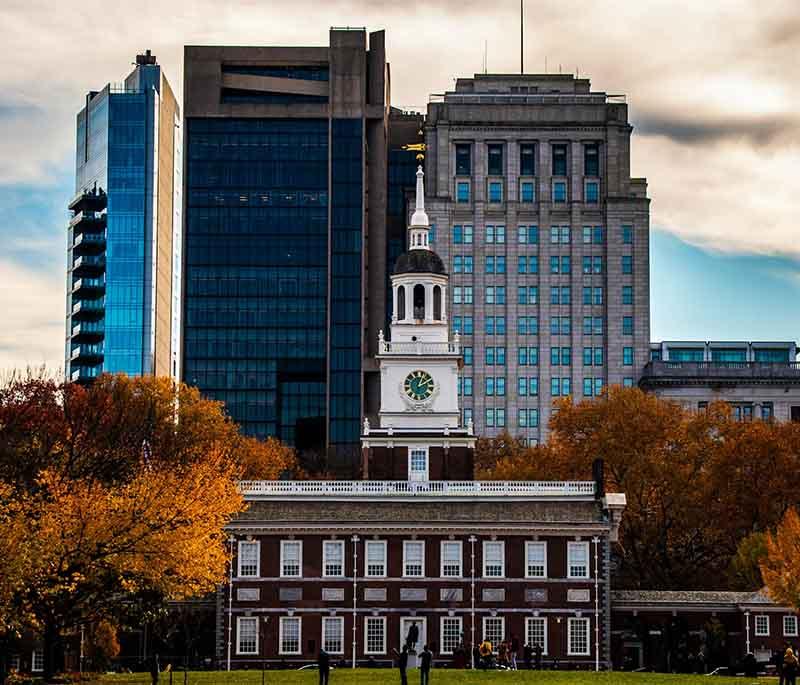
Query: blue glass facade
{"points": [[256, 271]]}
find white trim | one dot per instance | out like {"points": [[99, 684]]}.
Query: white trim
{"points": [[572, 622], [249, 543], [367, 619], [460, 558], [419, 449], [281, 622], [502, 544], [416, 542], [759, 633], [423, 633], [383, 543], [793, 632], [531, 543], [40, 652], [442, 619], [340, 621], [570, 547], [502, 619], [239, 621], [340, 545], [528, 631], [299, 574]]}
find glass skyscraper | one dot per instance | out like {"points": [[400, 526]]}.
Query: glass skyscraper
{"points": [[123, 248]]}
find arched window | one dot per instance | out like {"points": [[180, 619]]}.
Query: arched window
{"points": [[437, 303], [401, 302], [419, 301]]}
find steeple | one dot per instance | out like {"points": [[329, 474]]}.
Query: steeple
{"points": [[419, 228]]}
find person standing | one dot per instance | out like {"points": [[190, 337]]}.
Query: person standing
{"points": [[789, 667], [425, 660], [527, 655], [324, 666], [514, 650], [402, 665], [154, 669], [412, 637], [537, 656]]}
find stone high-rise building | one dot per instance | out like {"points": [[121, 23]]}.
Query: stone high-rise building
{"points": [[546, 238]]}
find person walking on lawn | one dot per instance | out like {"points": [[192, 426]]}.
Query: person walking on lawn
{"points": [[324, 666], [425, 660], [790, 664], [402, 664]]}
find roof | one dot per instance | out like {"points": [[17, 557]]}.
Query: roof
{"points": [[672, 597], [419, 262]]}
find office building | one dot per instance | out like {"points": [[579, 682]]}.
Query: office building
{"points": [[285, 251], [123, 253], [758, 379], [546, 237]]}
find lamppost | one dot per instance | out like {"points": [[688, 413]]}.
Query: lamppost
{"points": [[232, 541], [355, 540], [747, 632], [263, 648], [472, 541], [596, 541]]}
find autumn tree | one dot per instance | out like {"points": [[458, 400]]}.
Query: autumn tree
{"points": [[781, 567], [116, 491]]}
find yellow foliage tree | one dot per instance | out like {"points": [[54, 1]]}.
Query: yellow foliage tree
{"points": [[781, 567]]}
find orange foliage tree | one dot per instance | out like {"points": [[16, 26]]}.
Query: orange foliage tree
{"points": [[781, 567], [120, 490]]}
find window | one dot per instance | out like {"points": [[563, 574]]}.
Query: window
{"points": [[495, 162], [627, 325], [494, 562], [432, 233], [533, 414], [418, 463], [533, 264], [37, 660], [591, 159], [627, 264], [597, 265], [494, 630], [528, 325], [627, 294], [762, 625], [291, 558], [627, 356], [289, 635], [457, 294], [527, 193], [536, 560], [489, 417], [587, 265], [333, 634], [555, 265], [767, 411], [463, 159], [249, 559], [577, 560], [598, 356], [566, 266], [527, 159], [501, 417], [527, 235], [375, 554], [468, 234], [450, 638], [559, 191], [592, 192], [536, 632], [451, 559], [467, 352], [462, 192], [495, 191], [458, 264], [247, 635], [554, 235], [468, 386], [374, 635], [790, 626], [627, 382], [588, 387], [467, 415], [559, 160], [489, 294], [413, 558], [489, 386], [500, 235], [500, 264], [598, 387], [597, 325], [578, 637], [598, 235], [332, 558], [627, 235]]}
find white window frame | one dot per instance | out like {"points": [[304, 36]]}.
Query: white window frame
{"points": [[239, 621], [340, 621], [573, 622], [502, 619], [793, 619], [426, 473], [299, 544], [529, 633], [528, 545], [575, 545], [442, 620], [281, 622], [760, 633], [405, 556], [442, 545], [502, 544], [37, 660], [378, 543], [340, 545], [240, 556], [367, 620]]}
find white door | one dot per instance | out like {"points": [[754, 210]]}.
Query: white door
{"points": [[405, 626], [418, 464]]}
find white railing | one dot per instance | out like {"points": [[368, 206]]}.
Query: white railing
{"points": [[417, 347], [402, 488]]}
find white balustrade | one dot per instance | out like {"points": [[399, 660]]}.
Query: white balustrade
{"points": [[418, 347]]}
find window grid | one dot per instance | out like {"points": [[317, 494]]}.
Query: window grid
{"points": [[375, 635], [494, 562], [375, 554], [578, 638], [333, 558], [790, 626], [577, 560], [762, 625], [536, 559], [247, 635], [413, 558], [333, 634], [289, 635], [494, 630], [249, 553], [451, 559], [291, 558], [450, 638], [536, 632]]}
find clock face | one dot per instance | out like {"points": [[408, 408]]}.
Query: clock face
{"points": [[418, 385]]}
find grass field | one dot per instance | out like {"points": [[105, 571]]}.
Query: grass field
{"points": [[438, 677]]}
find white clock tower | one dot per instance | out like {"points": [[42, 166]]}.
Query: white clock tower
{"points": [[419, 363]]}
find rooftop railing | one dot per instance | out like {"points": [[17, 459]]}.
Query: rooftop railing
{"points": [[403, 488], [528, 98], [711, 369], [418, 347]]}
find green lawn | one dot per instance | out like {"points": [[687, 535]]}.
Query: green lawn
{"points": [[438, 677]]}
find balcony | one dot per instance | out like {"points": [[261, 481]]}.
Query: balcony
{"points": [[89, 287], [87, 354], [89, 309], [89, 243], [90, 265], [416, 489], [419, 348], [88, 221], [88, 331], [92, 200], [85, 374], [661, 373]]}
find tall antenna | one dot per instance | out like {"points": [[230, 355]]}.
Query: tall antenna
{"points": [[521, 37]]}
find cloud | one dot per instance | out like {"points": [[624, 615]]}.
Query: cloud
{"points": [[760, 131]]}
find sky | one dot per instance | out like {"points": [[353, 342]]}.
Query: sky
{"points": [[712, 89]]}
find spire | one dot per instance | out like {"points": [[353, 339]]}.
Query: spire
{"points": [[418, 230]]}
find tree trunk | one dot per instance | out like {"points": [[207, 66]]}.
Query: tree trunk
{"points": [[50, 649]]}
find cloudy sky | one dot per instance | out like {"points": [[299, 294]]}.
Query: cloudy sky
{"points": [[712, 87]]}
